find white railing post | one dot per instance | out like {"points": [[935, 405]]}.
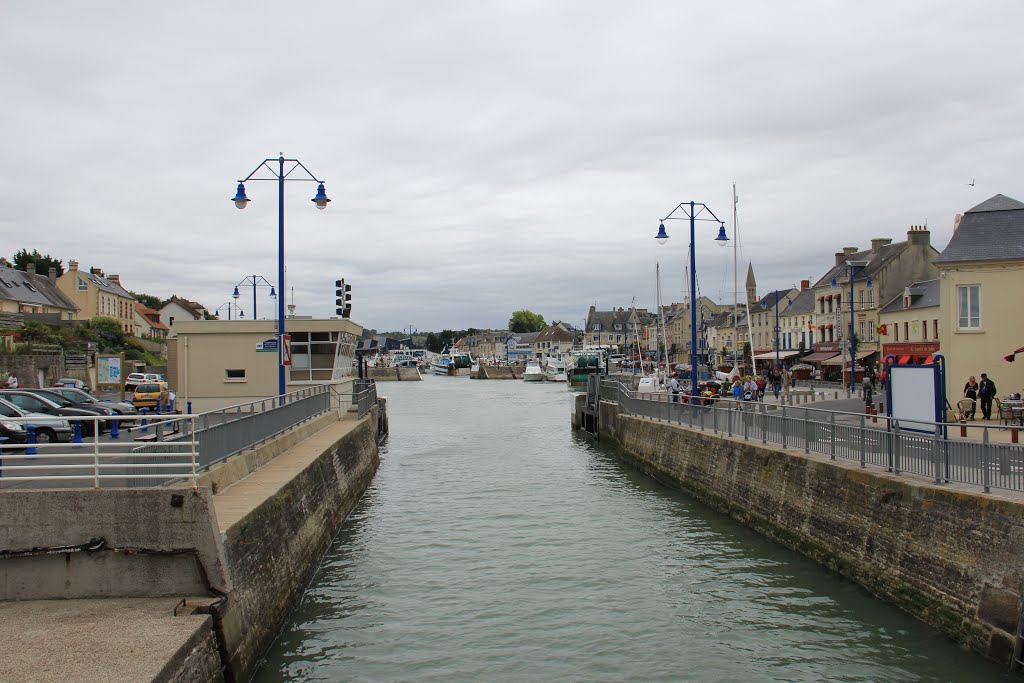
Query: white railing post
{"points": [[832, 435]]}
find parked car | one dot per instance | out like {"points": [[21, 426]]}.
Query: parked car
{"points": [[71, 382], [149, 395], [55, 404], [133, 380], [12, 432], [48, 429], [79, 396]]}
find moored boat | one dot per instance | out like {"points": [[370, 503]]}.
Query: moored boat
{"points": [[554, 369], [533, 372]]}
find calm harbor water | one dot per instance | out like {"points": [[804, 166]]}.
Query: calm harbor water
{"points": [[496, 545]]}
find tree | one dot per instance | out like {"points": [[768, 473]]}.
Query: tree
{"points": [[526, 321], [431, 343], [42, 262], [148, 300], [109, 329]]}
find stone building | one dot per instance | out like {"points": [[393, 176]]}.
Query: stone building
{"points": [[909, 324], [29, 293], [98, 295]]}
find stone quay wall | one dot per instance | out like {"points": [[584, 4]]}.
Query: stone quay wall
{"points": [[951, 557], [273, 551], [394, 374]]}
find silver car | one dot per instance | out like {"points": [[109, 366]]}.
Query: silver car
{"points": [[49, 429]]}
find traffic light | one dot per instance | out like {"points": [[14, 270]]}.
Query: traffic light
{"points": [[344, 300]]}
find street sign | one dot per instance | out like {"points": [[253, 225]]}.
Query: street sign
{"points": [[267, 345], [286, 349]]}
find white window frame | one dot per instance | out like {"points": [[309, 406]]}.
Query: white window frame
{"points": [[971, 319]]}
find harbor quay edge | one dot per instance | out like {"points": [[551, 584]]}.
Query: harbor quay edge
{"points": [[950, 557]]}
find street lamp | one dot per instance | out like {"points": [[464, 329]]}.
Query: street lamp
{"points": [[693, 212], [227, 307], [851, 269], [320, 201], [255, 281]]}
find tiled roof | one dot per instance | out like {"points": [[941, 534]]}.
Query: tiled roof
{"points": [[923, 294], [991, 231], [34, 290]]}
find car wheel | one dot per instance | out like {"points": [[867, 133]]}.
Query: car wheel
{"points": [[46, 436]]}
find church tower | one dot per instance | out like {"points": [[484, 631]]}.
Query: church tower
{"points": [[751, 287]]}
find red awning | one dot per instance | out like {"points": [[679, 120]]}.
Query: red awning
{"points": [[818, 357], [1011, 357], [928, 360], [830, 326], [821, 298], [903, 360], [828, 297]]}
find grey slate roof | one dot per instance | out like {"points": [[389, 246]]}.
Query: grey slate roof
{"points": [[803, 303], [35, 290], [876, 260], [991, 231], [923, 294], [768, 300], [105, 285]]}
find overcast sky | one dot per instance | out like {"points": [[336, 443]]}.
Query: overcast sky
{"points": [[484, 157]]}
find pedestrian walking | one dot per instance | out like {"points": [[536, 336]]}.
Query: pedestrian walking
{"points": [[868, 390], [986, 391], [776, 384], [971, 392]]}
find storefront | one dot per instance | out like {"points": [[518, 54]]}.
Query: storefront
{"points": [[916, 353]]}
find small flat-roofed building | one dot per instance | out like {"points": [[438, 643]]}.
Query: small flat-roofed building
{"points": [[220, 363]]}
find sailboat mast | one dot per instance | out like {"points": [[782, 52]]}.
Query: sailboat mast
{"points": [[735, 277]]}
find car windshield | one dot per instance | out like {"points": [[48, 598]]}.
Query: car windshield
{"points": [[56, 398], [148, 389], [79, 395]]}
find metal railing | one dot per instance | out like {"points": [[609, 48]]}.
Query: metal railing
{"points": [[133, 451], [910, 447]]}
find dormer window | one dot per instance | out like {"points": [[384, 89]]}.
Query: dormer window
{"points": [[82, 285], [618, 326]]}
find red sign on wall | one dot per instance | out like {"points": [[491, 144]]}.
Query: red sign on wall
{"points": [[286, 349]]}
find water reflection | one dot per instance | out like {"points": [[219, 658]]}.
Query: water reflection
{"points": [[494, 544]]}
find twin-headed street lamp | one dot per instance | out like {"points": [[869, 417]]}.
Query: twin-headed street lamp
{"points": [[320, 201], [692, 211], [227, 306], [851, 269], [255, 281]]}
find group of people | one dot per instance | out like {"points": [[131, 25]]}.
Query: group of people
{"points": [[985, 391]]}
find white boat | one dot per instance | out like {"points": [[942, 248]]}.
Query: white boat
{"points": [[533, 372], [442, 365], [554, 369]]}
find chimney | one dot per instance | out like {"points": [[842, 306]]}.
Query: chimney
{"points": [[72, 265], [849, 251], [805, 284], [30, 268], [116, 279], [96, 271], [840, 257], [879, 242], [918, 235], [52, 274]]}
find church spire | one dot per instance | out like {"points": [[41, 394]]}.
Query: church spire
{"points": [[751, 286]]}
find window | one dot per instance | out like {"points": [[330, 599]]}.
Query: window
{"points": [[906, 331], [861, 335], [234, 375], [935, 329], [924, 330], [871, 330], [82, 285], [596, 328], [969, 306], [895, 331]]}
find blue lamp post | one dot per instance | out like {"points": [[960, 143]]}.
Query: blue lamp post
{"points": [[241, 201], [789, 302], [227, 307], [851, 269], [254, 281], [694, 212]]}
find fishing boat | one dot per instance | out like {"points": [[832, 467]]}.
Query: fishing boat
{"points": [[443, 365], [533, 372], [554, 369], [583, 365]]}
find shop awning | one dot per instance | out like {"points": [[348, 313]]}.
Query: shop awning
{"points": [[861, 355], [770, 355], [818, 357], [903, 360], [1013, 356], [838, 360]]}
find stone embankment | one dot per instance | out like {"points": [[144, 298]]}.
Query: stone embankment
{"points": [[950, 556], [188, 584], [498, 372], [394, 374]]}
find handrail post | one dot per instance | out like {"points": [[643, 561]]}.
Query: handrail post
{"points": [[96, 456], [807, 433], [832, 436], [897, 450], [863, 444], [764, 425], [746, 426], [935, 454], [714, 420], [985, 468], [782, 431]]}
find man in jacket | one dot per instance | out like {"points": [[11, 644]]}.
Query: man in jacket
{"points": [[986, 392]]}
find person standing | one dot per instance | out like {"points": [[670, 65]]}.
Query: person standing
{"points": [[971, 392], [987, 391], [868, 390], [12, 381]]}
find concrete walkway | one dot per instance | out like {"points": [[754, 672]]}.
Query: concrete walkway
{"points": [[113, 640], [238, 500]]}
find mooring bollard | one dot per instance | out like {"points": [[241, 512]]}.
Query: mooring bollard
{"points": [[31, 450], [188, 407], [145, 423], [77, 438], [115, 429]]}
